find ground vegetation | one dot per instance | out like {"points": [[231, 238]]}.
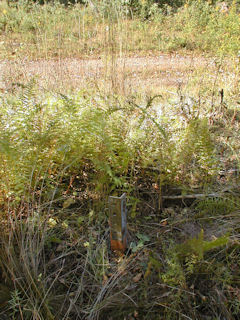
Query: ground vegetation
{"points": [[66, 145]]}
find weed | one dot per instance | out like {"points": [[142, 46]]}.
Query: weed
{"points": [[218, 206], [54, 30], [63, 154]]}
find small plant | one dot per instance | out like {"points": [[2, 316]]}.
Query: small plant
{"points": [[196, 247], [16, 304], [142, 241], [217, 206]]}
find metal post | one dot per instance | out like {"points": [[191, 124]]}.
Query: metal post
{"points": [[118, 223]]}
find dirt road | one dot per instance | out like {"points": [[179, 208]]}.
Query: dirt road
{"points": [[148, 74]]}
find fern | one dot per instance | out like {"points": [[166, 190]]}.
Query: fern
{"points": [[197, 246]]}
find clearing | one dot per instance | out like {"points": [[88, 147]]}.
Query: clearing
{"points": [[150, 74]]}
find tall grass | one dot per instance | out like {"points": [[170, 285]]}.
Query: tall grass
{"points": [[62, 155], [53, 30], [42, 276]]}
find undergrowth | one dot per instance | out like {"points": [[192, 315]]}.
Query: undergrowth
{"points": [[56, 264], [62, 156], [31, 30], [104, 143]]}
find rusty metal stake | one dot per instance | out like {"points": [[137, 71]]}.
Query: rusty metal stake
{"points": [[118, 223]]}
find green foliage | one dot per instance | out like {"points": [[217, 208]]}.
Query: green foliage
{"points": [[197, 151], [15, 303], [54, 29], [217, 206], [174, 274], [143, 239], [47, 138], [218, 30], [197, 246], [221, 29], [42, 141], [185, 259], [54, 245]]}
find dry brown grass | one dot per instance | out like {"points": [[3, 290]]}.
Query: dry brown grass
{"points": [[150, 74]]}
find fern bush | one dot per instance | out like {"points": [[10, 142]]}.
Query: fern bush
{"points": [[197, 151], [45, 138], [41, 138], [108, 145]]}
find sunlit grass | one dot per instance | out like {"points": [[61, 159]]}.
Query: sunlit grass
{"points": [[53, 30], [86, 120]]}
